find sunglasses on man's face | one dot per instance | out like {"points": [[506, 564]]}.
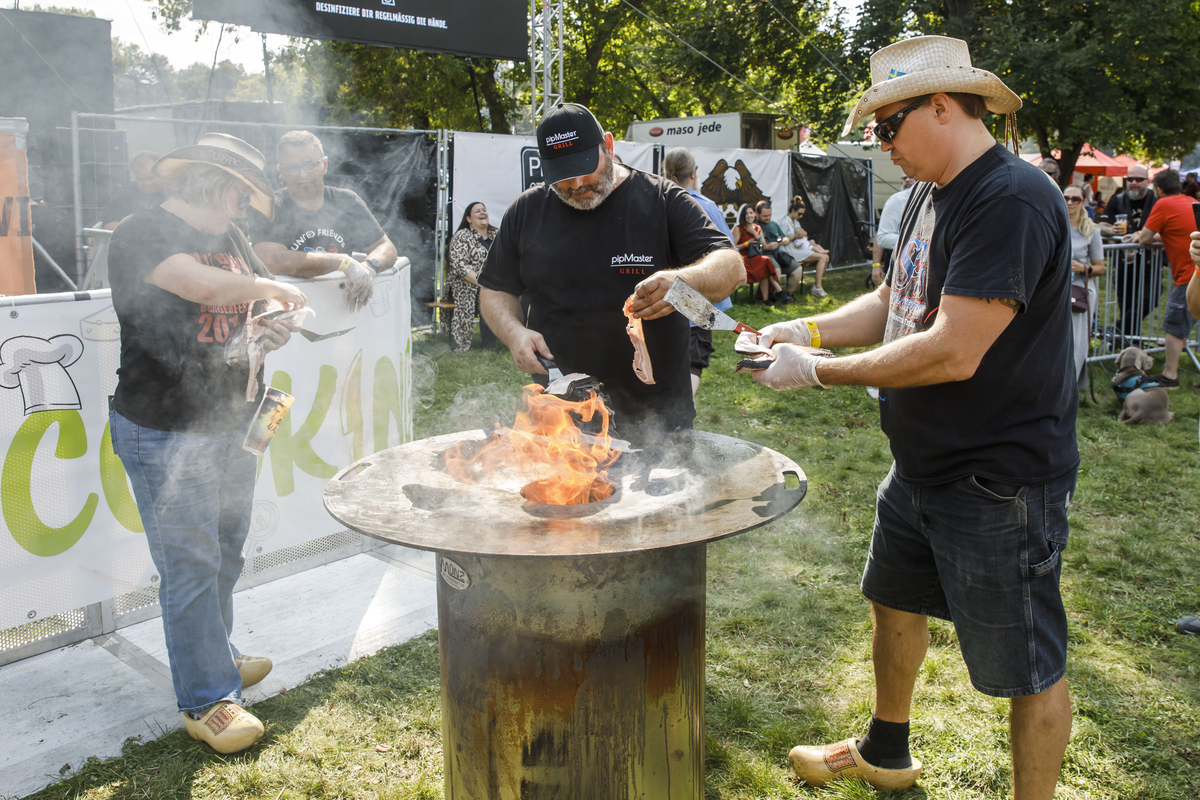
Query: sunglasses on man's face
{"points": [[886, 129], [243, 200], [1135, 180], [304, 167]]}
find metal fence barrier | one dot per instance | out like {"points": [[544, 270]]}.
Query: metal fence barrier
{"points": [[1132, 302]]}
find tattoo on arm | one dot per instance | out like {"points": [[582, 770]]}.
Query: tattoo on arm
{"points": [[1007, 302]]}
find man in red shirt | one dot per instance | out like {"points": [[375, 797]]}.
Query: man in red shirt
{"points": [[1172, 219]]}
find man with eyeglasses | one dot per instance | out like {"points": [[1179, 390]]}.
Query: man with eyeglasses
{"points": [[317, 227], [146, 191], [1138, 279], [978, 401]]}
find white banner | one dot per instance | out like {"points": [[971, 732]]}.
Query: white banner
{"points": [[493, 169], [71, 531], [732, 177]]}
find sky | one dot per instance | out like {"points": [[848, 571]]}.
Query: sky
{"points": [[131, 22]]}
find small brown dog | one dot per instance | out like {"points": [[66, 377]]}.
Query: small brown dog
{"points": [[1146, 405]]}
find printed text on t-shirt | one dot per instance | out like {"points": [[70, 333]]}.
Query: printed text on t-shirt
{"points": [[218, 322], [630, 264], [328, 233]]}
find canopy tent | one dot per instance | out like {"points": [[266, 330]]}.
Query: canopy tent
{"points": [[1091, 161], [1095, 162]]}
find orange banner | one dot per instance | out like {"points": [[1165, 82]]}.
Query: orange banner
{"points": [[16, 232]]}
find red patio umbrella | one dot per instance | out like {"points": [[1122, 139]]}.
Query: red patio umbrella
{"points": [[1094, 162]]}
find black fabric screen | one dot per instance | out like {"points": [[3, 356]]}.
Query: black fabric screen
{"points": [[837, 194]]}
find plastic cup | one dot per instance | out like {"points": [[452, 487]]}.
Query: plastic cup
{"points": [[271, 411], [1121, 224]]}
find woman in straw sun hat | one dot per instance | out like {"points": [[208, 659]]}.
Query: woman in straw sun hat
{"points": [[978, 400], [184, 281]]}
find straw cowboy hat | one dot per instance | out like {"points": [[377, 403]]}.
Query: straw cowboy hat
{"points": [[928, 65], [230, 154]]}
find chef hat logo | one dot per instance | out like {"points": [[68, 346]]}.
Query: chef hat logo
{"points": [[38, 367]]}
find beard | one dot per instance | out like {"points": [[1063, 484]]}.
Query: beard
{"points": [[1138, 193], [590, 195]]}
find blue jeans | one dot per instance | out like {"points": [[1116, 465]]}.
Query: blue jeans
{"points": [[986, 556], [194, 493]]}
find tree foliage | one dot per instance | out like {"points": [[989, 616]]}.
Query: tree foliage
{"points": [[141, 78], [622, 64], [1124, 76]]}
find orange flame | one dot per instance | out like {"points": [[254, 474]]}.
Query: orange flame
{"points": [[560, 465]]}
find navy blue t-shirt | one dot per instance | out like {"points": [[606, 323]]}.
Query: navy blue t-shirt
{"points": [[999, 229], [577, 269]]}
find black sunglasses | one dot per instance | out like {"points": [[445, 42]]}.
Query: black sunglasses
{"points": [[886, 129], [1135, 180]]}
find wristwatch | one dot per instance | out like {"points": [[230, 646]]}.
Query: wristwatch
{"points": [[373, 263]]}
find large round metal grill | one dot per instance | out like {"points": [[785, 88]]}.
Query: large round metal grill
{"points": [[571, 637]]}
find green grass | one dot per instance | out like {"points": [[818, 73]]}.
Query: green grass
{"points": [[788, 631]]}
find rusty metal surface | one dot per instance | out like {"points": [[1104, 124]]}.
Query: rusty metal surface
{"points": [[711, 487], [573, 678]]}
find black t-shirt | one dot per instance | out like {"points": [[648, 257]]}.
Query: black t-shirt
{"points": [[173, 374], [343, 224], [578, 268], [1001, 232], [131, 200], [1136, 211]]}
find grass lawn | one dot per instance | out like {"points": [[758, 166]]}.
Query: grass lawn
{"points": [[788, 631]]}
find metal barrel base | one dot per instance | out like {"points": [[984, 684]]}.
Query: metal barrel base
{"points": [[573, 677]]}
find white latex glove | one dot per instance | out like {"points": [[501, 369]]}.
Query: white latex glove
{"points": [[360, 283], [792, 332], [795, 367]]}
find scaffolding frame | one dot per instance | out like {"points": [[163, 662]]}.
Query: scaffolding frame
{"points": [[545, 56]]}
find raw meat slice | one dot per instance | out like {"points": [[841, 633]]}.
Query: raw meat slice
{"points": [[641, 357]]}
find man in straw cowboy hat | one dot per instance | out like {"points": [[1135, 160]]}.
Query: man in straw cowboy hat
{"points": [[979, 405]]}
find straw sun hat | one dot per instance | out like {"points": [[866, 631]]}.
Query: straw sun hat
{"points": [[230, 154], [927, 65]]}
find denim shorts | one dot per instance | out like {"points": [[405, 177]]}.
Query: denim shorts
{"points": [[986, 556], [1178, 321]]}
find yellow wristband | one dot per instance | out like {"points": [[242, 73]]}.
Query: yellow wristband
{"points": [[814, 333], [877, 264]]}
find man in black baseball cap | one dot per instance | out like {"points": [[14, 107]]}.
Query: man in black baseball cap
{"points": [[577, 247]]}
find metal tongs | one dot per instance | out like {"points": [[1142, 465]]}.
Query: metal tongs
{"points": [[307, 334]]}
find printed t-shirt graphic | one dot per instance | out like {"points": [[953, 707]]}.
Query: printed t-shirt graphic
{"points": [[173, 375], [908, 300], [218, 323], [343, 224]]}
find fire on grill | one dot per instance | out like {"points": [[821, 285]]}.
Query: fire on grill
{"points": [[557, 449]]}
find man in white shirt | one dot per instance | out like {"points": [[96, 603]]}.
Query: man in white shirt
{"points": [[889, 229]]}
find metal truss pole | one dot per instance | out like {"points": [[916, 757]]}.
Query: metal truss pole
{"points": [[545, 56]]}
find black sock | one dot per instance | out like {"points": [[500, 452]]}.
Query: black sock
{"points": [[886, 745]]}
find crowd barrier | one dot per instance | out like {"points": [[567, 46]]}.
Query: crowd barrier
{"points": [[395, 172], [1131, 303], [73, 556]]}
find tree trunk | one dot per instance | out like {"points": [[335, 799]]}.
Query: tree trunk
{"points": [[1066, 164], [493, 97], [1043, 140]]}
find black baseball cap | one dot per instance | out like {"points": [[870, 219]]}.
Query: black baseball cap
{"points": [[567, 138]]}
